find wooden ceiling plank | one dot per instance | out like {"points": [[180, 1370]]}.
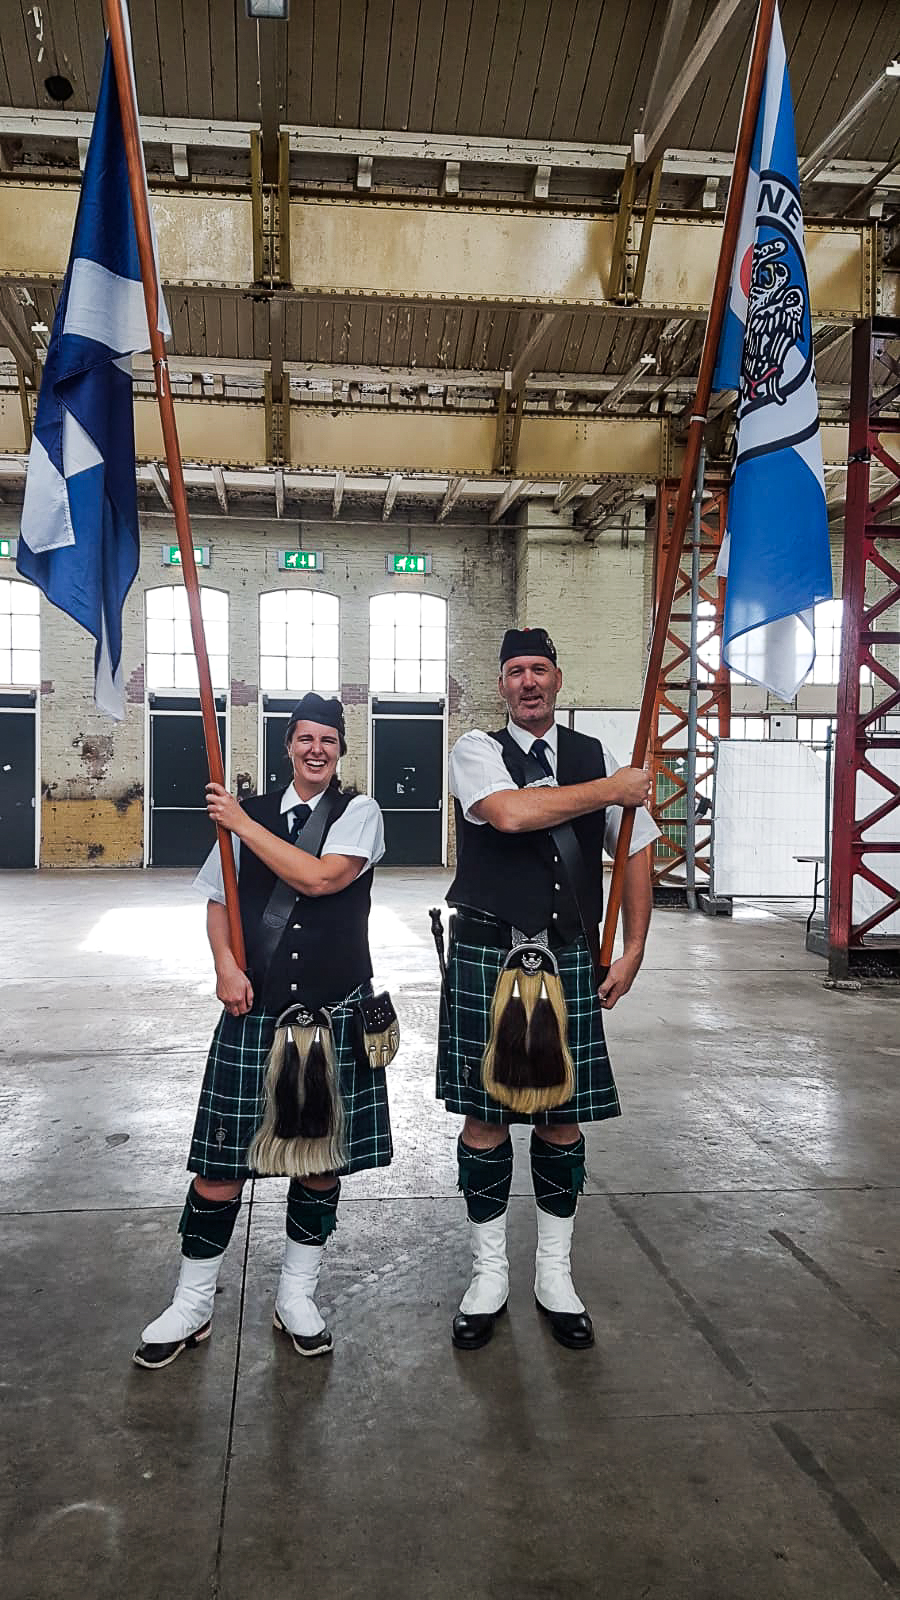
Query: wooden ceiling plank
{"points": [[351, 40], [502, 327], [449, 356], [481, 333], [244, 314], [212, 319], [507, 32], [426, 66], [419, 338], [326, 17], [602, 101], [247, 64], [64, 53], [325, 330], [702, 106], [538, 25], [173, 53], [300, 65], [404, 30], [433, 341], [582, 40], [454, 46], [375, 62], [387, 335], [545, 102], [198, 57], [145, 49], [223, 65], [876, 134], [832, 65], [403, 336], [465, 342], [228, 325], [260, 349], [197, 324], [371, 335], [478, 61], [21, 44], [179, 317]]}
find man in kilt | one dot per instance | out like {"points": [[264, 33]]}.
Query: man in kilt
{"points": [[320, 960], [511, 789]]}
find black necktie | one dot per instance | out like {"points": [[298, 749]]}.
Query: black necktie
{"points": [[298, 815], [539, 751]]}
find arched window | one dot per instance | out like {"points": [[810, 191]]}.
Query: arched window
{"points": [[299, 648], [407, 644], [20, 634], [170, 651]]}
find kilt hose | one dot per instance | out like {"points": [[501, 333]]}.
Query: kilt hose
{"points": [[233, 1096], [472, 971]]}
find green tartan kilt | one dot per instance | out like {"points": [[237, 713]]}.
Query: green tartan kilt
{"points": [[233, 1096], [472, 971]]}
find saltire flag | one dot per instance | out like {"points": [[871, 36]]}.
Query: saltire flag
{"points": [[776, 552], [79, 537]]}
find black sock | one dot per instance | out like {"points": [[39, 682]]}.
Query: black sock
{"points": [[484, 1178], [311, 1213], [206, 1225], [557, 1172]]}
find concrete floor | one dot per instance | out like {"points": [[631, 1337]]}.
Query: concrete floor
{"points": [[733, 1436]]}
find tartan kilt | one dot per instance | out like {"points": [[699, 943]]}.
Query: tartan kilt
{"points": [[233, 1096], [472, 971]]}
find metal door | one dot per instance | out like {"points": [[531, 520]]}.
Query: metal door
{"points": [[18, 749], [408, 780], [276, 769], [181, 834]]}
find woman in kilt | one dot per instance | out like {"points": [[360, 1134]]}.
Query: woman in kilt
{"points": [[318, 958], [516, 791]]}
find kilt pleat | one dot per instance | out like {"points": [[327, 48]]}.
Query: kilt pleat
{"points": [[472, 971], [233, 1095]]}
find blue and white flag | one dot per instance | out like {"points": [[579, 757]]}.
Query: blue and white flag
{"points": [[775, 553], [79, 537]]}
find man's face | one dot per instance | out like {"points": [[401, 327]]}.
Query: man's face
{"points": [[314, 750], [530, 685]]}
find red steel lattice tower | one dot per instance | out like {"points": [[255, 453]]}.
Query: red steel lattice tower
{"points": [[865, 846], [669, 737]]}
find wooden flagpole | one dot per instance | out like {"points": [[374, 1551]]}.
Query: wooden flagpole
{"points": [[137, 185], [755, 81]]}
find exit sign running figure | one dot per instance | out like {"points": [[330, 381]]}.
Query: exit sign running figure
{"points": [[8, 549], [408, 563], [171, 555]]}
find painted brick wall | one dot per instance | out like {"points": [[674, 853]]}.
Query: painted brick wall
{"points": [[93, 771]]}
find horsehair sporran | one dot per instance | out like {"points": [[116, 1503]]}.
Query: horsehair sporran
{"points": [[302, 1131]]}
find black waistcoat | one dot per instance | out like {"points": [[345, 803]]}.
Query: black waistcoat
{"points": [[518, 877], [323, 953]]}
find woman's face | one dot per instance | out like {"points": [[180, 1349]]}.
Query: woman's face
{"points": [[314, 750]]}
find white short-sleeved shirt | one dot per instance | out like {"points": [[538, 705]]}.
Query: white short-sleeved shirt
{"points": [[477, 769], [359, 832]]}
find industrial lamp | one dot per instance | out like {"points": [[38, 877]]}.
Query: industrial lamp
{"points": [[276, 9]]}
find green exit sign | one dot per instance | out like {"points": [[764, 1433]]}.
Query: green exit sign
{"points": [[171, 555], [300, 561], [408, 563], [8, 549]]}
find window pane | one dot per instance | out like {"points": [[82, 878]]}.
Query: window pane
{"points": [[5, 666], [26, 666], [381, 642], [325, 673], [381, 610], [160, 635], [408, 642], [179, 601], [299, 673], [408, 608], [216, 637], [218, 670], [325, 639], [183, 641], [24, 599], [214, 605], [271, 674], [186, 672], [5, 591], [326, 608], [406, 677], [159, 603], [5, 631], [299, 638], [434, 611], [434, 676], [381, 676], [299, 606], [160, 672], [272, 640], [434, 642], [272, 607]]}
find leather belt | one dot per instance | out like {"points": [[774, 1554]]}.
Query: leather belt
{"points": [[495, 935]]}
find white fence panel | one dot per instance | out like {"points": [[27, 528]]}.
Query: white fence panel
{"points": [[770, 807]]}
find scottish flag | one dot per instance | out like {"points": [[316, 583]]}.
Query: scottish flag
{"points": [[79, 539], [776, 552]]}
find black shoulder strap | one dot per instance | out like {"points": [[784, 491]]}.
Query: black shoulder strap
{"points": [[281, 901], [570, 852]]}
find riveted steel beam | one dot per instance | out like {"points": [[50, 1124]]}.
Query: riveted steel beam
{"points": [[384, 251]]}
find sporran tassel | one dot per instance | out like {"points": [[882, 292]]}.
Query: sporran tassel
{"points": [[302, 1131], [527, 1065]]}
